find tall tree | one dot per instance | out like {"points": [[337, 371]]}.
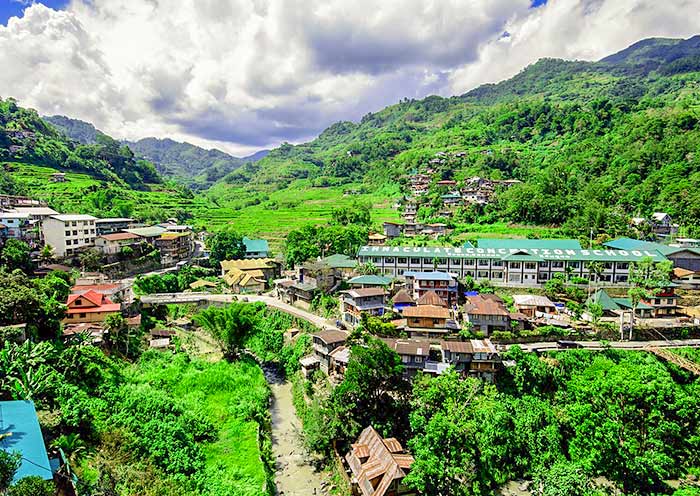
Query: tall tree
{"points": [[226, 245]]}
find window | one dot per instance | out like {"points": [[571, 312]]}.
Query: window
{"points": [[468, 273], [574, 265], [483, 274], [78, 302], [557, 264], [405, 358], [497, 275], [543, 276], [415, 321], [82, 315], [402, 261], [74, 223], [608, 265], [68, 242], [75, 233], [442, 261], [530, 266], [483, 262], [415, 261], [623, 265], [497, 263], [436, 321], [86, 231], [389, 260], [419, 359], [514, 265], [621, 278], [67, 233]]}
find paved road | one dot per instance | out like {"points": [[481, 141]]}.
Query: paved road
{"points": [[169, 298], [621, 345]]}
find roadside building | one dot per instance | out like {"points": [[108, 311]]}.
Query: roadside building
{"points": [[117, 292], [69, 234], [534, 305], [442, 283], [378, 466], [90, 306], [174, 247], [339, 359], [355, 302], [36, 212], [148, 234], [687, 279], [268, 266], [503, 263], [486, 314], [614, 307], [245, 281], [416, 355], [112, 244], [475, 357], [324, 343], [113, 225], [256, 248]]}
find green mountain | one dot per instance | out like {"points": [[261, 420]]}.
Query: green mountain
{"points": [[103, 177], [592, 142], [197, 167], [192, 165]]}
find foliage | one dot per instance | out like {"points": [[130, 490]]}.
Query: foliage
{"points": [[226, 245], [170, 282], [229, 325], [377, 327], [9, 463], [356, 214], [311, 241], [32, 486], [16, 254]]}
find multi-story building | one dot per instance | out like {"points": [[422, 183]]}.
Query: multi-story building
{"points": [[428, 321], [355, 302], [68, 234], [174, 246], [89, 306], [503, 263], [442, 283], [112, 244], [16, 224], [486, 314], [324, 343], [113, 225]]}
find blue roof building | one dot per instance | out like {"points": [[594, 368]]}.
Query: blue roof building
{"points": [[21, 433], [256, 248]]}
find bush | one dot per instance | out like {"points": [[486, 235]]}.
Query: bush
{"points": [[32, 486]]}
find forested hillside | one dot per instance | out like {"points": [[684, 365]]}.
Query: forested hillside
{"points": [[593, 143]]}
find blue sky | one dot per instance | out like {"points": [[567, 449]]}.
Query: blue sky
{"points": [[9, 8]]}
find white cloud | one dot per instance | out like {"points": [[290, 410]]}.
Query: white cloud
{"points": [[246, 74]]}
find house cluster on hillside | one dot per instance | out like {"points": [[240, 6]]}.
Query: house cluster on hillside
{"points": [[660, 224], [70, 234]]}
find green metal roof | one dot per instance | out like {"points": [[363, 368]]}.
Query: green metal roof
{"points": [[256, 245], [627, 303], [371, 280], [499, 253], [467, 244], [636, 244], [147, 232], [552, 244], [602, 298], [522, 257], [340, 262], [19, 419]]}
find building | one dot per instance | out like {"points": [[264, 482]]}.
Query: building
{"points": [[174, 246], [475, 358], [402, 300], [70, 233], [113, 225], [339, 359], [615, 307], [256, 248], [428, 321], [664, 303], [432, 298], [20, 432], [325, 342], [417, 355], [117, 292], [486, 314], [245, 281], [378, 466], [392, 230], [686, 279], [16, 224], [508, 265], [662, 224], [36, 212], [90, 306], [112, 244], [148, 234], [376, 239], [370, 281], [684, 257], [442, 283], [355, 302], [58, 177], [268, 266], [534, 305]]}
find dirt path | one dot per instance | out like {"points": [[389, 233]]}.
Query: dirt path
{"points": [[293, 475]]}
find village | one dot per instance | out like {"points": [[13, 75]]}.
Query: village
{"points": [[440, 308]]}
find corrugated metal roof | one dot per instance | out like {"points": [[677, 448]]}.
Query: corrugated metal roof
{"points": [[19, 420], [430, 311], [561, 244], [256, 245], [371, 280]]}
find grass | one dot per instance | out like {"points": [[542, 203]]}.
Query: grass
{"points": [[232, 396]]}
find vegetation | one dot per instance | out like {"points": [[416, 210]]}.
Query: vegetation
{"points": [[226, 245]]}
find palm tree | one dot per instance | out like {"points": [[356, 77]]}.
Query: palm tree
{"points": [[46, 255]]}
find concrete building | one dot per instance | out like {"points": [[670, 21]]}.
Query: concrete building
{"points": [[355, 302], [69, 234], [113, 225], [16, 224], [111, 244]]}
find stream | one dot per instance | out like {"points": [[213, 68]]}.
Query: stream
{"points": [[294, 475]]}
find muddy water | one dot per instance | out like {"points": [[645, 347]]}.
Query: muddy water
{"points": [[294, 476]]}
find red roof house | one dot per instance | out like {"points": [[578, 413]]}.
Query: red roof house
{"points": [[90, 306]]}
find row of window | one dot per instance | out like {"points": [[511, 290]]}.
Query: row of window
{"points": [[75, 223], [485, 262], [86, 232], [76, 242]]}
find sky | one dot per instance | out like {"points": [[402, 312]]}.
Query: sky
{"points": [[243, 75]]}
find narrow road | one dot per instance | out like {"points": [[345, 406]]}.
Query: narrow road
{"points": [[294, 476]]}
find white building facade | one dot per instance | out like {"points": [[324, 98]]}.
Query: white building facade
{"points": [[69, 234]]}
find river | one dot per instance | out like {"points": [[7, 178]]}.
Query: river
{"points": [[294, 475]]}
